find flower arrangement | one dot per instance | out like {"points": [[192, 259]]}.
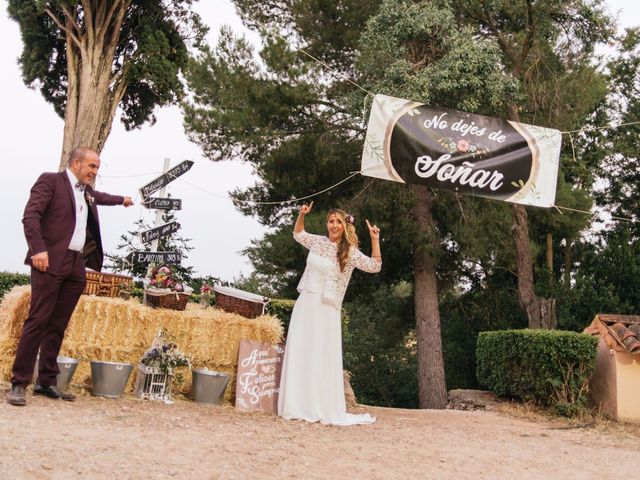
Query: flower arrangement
{"points": [[164, 277], [165, 357]]}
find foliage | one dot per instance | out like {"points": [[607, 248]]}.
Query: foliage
{"points": [[619, 171], [281, 309], [465, 315], [150, 50], [549, 367], [380, 348], [120, 262], [8, 280]]}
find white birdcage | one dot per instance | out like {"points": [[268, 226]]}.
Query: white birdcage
{"points": [[152, 383]]}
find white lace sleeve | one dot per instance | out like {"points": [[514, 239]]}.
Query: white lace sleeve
{"points": [[364, 263], [308, 240]]}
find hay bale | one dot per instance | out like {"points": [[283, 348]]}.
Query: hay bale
{"points": [[116, 330]]}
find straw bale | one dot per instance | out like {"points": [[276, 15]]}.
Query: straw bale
{"points": [[116, 330]]}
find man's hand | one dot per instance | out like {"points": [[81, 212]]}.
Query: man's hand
{"points": [[40, 261], [127, 202]]}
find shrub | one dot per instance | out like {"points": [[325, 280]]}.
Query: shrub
{"points": [[281, 308], [549, 367], [8, 280]]}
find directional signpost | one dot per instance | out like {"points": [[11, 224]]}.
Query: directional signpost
{"points": [[163, 203], [158, 232], [168, 258], [160, 204], [166, 178]]}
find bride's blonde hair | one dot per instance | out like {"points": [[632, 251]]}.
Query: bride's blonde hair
{"points": [[349, 238]]}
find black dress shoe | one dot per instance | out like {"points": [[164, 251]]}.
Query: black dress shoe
{"points": [[48, 391], [16, 396], [53, 392], [69, 397]]}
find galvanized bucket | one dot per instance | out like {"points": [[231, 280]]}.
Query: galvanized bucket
{"points": [[208, 386], [108, 379], [67, 367]]}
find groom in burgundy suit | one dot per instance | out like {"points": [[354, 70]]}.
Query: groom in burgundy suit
{"points": [[63, 235]]}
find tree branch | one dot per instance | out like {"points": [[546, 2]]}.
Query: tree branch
{"points": [[117, 24], [67, 31], [88, 24], [104, 24], [526, 43]]}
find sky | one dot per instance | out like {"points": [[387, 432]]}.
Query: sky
{"points": [[31, 141]]}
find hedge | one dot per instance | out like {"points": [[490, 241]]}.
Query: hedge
{"points": [[549, 367], [8, 280]]}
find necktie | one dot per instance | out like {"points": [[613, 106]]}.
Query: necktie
{"points": [[80, 186]]}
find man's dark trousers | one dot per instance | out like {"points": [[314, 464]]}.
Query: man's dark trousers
{"points": [[53, 299]]}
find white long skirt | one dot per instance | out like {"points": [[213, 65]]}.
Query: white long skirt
{"points": [[312, 382]]}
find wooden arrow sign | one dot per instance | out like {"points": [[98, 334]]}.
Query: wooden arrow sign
{"points": [[163, 203], [159, 232], [168, 258], [166, 178]]}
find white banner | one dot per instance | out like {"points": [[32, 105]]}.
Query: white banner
{"points": [[488, 157]]}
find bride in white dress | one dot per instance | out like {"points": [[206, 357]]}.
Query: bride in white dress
{"points": [[312, 382]]}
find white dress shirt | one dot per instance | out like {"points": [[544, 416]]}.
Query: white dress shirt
{"points": [[82, 211]]}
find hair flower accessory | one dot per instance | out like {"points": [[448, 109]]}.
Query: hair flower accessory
{"points": [[350, 219]]}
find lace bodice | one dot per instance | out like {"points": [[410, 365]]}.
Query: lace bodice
{"points": [[322, 273]]}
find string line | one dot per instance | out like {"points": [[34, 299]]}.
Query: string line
{"points": [[559, 207], [610, 126], [282, 202]]}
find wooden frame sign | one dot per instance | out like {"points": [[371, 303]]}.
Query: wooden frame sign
{"points": [[258, 380]]}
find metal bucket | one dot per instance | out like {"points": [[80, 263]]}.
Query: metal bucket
{"points": [[108, 379], [67, 367], [208, 386]]}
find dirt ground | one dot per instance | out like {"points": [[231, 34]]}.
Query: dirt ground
{"points": [[127, 438]]}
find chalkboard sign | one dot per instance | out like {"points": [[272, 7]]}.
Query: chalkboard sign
{"points": [[163, 203], [258, 381], [169, 258], [158, 232], [166, 178]]}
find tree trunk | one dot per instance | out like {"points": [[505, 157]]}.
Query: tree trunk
{"points": [[568, 260], [541, 312], [94, 91], [432, 389], [550, 253]]}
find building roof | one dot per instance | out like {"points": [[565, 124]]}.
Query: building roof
{"points": [[620, 332]]}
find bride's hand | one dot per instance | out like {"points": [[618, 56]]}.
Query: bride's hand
{"points": [[306, 208], [374, 231]]}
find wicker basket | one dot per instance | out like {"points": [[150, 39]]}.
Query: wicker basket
{"points": [[232, 300], [174, 301], [105, 284]]}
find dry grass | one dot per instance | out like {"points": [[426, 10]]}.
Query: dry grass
{"points": [[112, 329], [590, 419]]}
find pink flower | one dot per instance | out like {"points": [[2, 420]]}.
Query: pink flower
{"points": [[463, 145]]}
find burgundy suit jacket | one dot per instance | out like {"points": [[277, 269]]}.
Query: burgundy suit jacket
{"points": [[50, 218]]}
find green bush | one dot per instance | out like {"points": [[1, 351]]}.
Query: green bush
{"points": [[281, 308], [8, 280], [549, 367]]}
